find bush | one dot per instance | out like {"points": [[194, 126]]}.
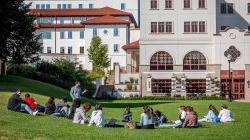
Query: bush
{"points": [[129, 86], [136, 81], [22, 70], [131, 79], [96, 74]]}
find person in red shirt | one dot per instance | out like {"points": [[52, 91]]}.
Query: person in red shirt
{"points": [[31, 102]]}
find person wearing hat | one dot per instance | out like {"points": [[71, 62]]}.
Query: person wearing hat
{"points": [[97, 117], [16, 103]]}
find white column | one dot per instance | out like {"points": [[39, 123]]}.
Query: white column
{"points": [[117, 74], [149, 88]]}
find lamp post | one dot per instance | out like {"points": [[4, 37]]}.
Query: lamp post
{"points": [[229, 58]]}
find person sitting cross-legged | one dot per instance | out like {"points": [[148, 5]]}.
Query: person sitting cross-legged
{"points": [[62, 108], [225, 114], [16, 103], [146, 119], [127, 115], [212, 115], [50, 106], [80, 114], [191, 119]]}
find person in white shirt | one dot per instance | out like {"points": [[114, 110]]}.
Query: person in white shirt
{"points": [[225, 114], [80, 114], [97, 117]]}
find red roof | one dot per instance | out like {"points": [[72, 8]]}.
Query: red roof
{"points": [[133, 45], [81, 12], [59, 26], [105, 20]]}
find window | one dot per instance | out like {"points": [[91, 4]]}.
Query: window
{"points": [[41, 49], [230, 8], [48, 49], [70, 50], [168, 4], [202, 3], [94, 32], [80, 6], [154, 4], [161, 86], [62, 35], [202, 26], [37, 6], [91, 6], [248, 8], [48, 35], [153, 27], [116, 48], [196, 85], [161, 61], [42, 6], [160, 27], [187, 27], [62, 50], [59, 6], [194, 26], [116, 32], [248, 28], [69, 34], [61, 20], [169, 27], [222, 28], [41, 35], [69, 6], [64, 6], [81, 34], [194, 61], [227, 8], [81, 50], [47, 6], [187, 4], [123, 6]]}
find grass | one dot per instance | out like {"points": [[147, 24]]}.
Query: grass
{"points": [[14, 125]]}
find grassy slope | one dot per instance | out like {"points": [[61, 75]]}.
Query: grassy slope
{"points": [[15, 125]]}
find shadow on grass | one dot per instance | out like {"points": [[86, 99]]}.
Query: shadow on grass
{"points": [[131, 105]]}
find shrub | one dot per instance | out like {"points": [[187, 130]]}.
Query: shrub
{"points": [[96, 74], [136, 81], [135, 88], [22, 70], [129, 86], [131, 79]]}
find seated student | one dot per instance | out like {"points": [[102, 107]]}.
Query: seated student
{"points": [[161, 118], [16, 103], [191, 119], [80, 114], [212, 115], [182, 115], [97, 117], [154, 117], [62, 108], [76, 104], [146, 119], [50, 106], [225, 114], [127, 115], [33, 104]]}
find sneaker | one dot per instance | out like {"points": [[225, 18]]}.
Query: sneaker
{"points": [[34, 113]]}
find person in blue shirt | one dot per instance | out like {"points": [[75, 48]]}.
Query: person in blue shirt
{"points": [[127, 115], [146, 120], [211, 116], [161, 118], [76, 91]]}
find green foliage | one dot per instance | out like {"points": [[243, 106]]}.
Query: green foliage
{"points": [[131, 79], [173, 98], [129, 86], [136, 81], [96, 74], [18, 40], [22, 70], [98, 54]]}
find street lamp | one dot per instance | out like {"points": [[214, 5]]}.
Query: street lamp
{"points": [[229, 58]]}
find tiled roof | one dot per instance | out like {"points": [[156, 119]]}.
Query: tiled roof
{"points": [[105, 20], [38, 26], [81, 13], [133, 45]]}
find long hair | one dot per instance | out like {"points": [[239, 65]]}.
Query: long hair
{"points": [[213, 108]]}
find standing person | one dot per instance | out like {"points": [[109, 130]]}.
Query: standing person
{"points": [[50, 106], [16, 103], [225, 114], [76, 104], [146, 119], [212, 115], [80, 114], [76, 91]]}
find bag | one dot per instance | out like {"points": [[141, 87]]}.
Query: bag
{"points": [[132, 125]]}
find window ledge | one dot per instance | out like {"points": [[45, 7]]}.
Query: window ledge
{"points": [[169, 9], [187, 9], [154, 9], [161, 33], [202, 8], [196, 33]]}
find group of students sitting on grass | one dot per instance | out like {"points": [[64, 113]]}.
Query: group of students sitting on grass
{"points": [[149, 118]]}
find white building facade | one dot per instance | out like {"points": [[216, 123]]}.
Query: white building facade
{"points": [[67, 33], [184, 45]]}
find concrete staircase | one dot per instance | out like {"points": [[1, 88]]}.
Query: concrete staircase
{"points": [[110, 80], [104, 92]]}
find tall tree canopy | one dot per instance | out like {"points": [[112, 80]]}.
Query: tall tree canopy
{"points": [[18, 40], [98, 54]]}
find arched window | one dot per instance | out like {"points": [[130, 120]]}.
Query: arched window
{"points": [[161, 61], [194, 61]]}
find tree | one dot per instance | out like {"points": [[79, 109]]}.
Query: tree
{"points": [[98, 54], [18, 40]]}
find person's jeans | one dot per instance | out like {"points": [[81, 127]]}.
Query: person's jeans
{"points": [[58, 115], [26, 108]]}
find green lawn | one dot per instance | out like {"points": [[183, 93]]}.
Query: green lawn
{"points": [[14, 125]]}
